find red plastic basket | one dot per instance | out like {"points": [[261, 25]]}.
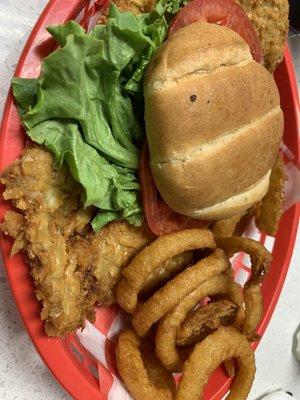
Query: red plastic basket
{"points": [[77, 370]]}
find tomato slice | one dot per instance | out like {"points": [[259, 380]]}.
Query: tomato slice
{"points": [[221, 12], [160, 217]]}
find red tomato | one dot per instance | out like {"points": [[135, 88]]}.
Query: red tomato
{"points": [[221, 12], [160, 217]]}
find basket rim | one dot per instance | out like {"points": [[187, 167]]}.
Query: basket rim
{"points": [[52, 350]]}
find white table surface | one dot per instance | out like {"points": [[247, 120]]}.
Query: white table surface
{"points": [[22, 373]]}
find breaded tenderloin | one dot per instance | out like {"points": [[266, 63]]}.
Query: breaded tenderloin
{"points": [[271, 22]]}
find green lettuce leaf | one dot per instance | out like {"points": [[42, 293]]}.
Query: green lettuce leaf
{"points": [[83, 107], [155, 26], [25, 91], [111, 189]]}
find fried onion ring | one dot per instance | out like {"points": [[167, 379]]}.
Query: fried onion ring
{"points": [[204, 321], [235, 294], [175, 290], [253, 309], [229, 367], [226, 343], [269, 213], [226, 227], [245, 220], [167, 271], [169, 325], [260, 257], [260, 262], [152, 257], [142, 373], [166, 336]]}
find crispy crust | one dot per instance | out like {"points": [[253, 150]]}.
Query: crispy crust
{"points": [[260, 262], [225, 343], [271, 208], [144, 376], [253, 309], [166, 272], [226, 227], [72, 266], [271, 22], [135, 6], [260, 257]]}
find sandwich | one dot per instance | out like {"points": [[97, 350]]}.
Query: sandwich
{"points": [[213, 122]]}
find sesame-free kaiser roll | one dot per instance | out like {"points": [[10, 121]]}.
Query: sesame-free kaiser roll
{"points": [[213, 122]]}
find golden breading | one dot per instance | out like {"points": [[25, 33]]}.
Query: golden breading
{"points": [[268, 215], [141, 371], [167, 271], [106, 252], [171, 323], [270, 19], [48, 199], [136, 6], [153, 257], [225, 227], [226, 343], [72, 266]]}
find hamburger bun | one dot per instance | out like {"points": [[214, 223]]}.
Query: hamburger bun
{"points": [[213, 122]]}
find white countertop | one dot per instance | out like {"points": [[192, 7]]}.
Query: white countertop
{"points": [[23, 376]]}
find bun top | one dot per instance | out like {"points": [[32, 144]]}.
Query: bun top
{"points": [[213, 121], [197, 48]]}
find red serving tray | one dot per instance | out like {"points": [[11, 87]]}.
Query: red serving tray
{"points": [[72, 372]]}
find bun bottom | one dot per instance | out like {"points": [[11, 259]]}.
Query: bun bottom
{"points": [[234, 205]]}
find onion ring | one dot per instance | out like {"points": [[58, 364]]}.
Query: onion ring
{"points": [[152, 257], [226, 343], [260, 257], [253, 309], [245, 220], [142, 373], [225, 227], [169, 325], [167, 271], [229, 367], [260, 262], [175, 290], [205, 320], [269, 213], [235, 294]]}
